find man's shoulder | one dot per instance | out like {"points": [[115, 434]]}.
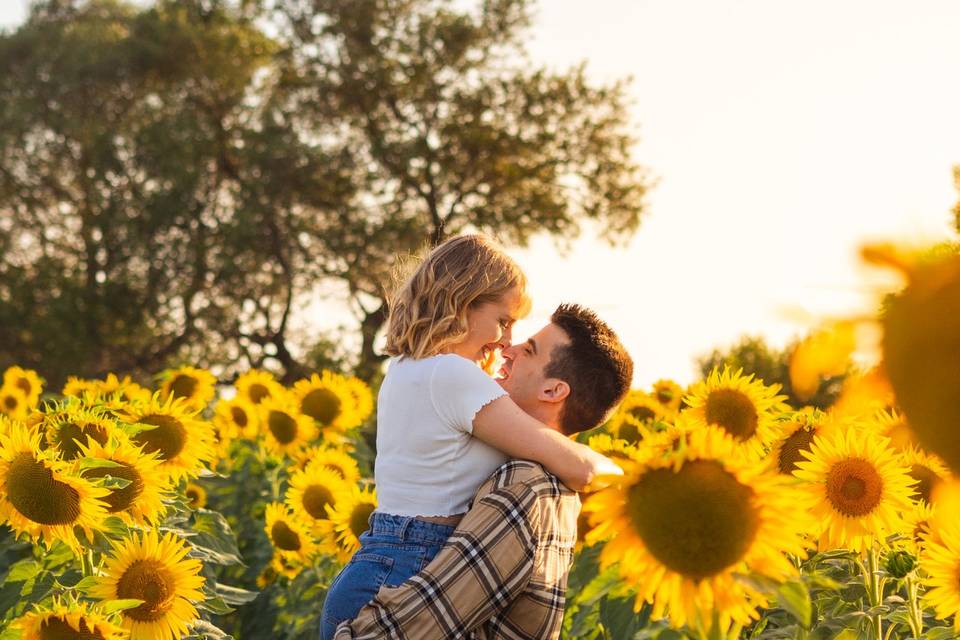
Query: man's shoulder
{"points": [[530, 474]]}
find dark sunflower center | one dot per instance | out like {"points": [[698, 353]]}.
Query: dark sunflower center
{"points": [[696, 521], [33, 492], [315, 498], [926, 479], [183, 386], [284, 537], [152, 582], [854, 487], [323, 405], [168, 439], [734, 411], [194, 496], [24, 385], [239, 416], [790, 450], [10, 402], [257, 392], [119, 499], [71, 435], [664, 396], [359, 518], [59, 629], [630, 433], [282, 426]]}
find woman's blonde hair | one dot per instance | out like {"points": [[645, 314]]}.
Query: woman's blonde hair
{"points": [[428, 311]]}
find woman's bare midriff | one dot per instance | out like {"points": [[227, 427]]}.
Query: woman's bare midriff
{"points": [[451, 521]]}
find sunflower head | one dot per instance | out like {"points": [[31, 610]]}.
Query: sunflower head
{"points": [[940, 559], [313, 492], [328, 399], [27, 381], [68, 620], [668, 393], [337, 460], [141, 501], [14, 403], [68, 431], [362, 400], [196, 495], [288, 533], [350, 517], [195, 386], [796, 436], [236, 418], [257, 385], [171, 429], [928, 471], [286, 431]]}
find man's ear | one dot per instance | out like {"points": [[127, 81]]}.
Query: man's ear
{"points": [[553, 390]]}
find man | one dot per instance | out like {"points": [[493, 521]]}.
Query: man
{"points": [[503, 573]]}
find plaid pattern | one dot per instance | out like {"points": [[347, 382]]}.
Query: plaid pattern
{"points": [[502, 574]]}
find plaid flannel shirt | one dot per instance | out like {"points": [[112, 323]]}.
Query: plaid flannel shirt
{"points": [[502, 574]]}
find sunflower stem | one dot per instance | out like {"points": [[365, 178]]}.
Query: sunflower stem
{"points": [[874, 586], [914, 612]]}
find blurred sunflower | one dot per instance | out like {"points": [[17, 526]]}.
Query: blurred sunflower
{"points": [[668, 393], [196, 495], [27, 381], [69, 430], [311, 491], [13, 403], [863, 395], [616, 448], [67, 620], [40, 497], [350, 518], [940, 559], [141, 502], [288, 534], [857, 488], [286, 431], [156, 570], [796, 436], [743, 407], [338, 460], [77, 387], [362, 400], [170, 429], [236, 418], [892, 424], [928, 470], [285, 566], [683, 526], [196, 386], [327, 399], [123, 390], [256, 386]]}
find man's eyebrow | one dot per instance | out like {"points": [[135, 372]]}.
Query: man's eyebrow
{"points": [[532, 344]]}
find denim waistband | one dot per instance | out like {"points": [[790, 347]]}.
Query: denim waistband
{"points": [[409, 528]]}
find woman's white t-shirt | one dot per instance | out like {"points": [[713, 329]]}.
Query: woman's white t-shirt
{"points": [[428, 463]]}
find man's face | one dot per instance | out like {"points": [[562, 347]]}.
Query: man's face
{"points": [[522, 374]]}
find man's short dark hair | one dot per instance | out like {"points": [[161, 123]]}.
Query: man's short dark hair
{"points": [[595, 365]]}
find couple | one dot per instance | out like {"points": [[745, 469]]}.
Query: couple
{"points": [[471, 538]]}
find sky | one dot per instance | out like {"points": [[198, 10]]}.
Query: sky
{"points": [[781, 135]]}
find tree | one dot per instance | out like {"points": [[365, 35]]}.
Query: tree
{"points": [[772, 366]]}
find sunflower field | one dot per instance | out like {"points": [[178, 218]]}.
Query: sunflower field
{"points": [[193, 510]]}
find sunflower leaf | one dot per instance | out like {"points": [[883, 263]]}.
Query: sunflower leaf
{"points": [[112, 606], [795, 599], [86, 584]]}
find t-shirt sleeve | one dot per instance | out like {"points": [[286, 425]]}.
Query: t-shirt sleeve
{"points": [[459, 389]]}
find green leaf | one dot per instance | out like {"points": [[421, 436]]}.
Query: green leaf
{"points": [[112, 606], [941, 633], [235, 595], [23, 570], [97, 463], [795, 599], [847, 634], [86, 584], [110, 482]]}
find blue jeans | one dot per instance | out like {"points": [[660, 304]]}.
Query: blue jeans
{"points": [[392, 550]]}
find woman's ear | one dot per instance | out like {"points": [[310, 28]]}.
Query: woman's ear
{"points": [[553, 390]]}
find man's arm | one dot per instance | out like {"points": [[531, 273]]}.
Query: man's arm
{"points": [[480, 571]]}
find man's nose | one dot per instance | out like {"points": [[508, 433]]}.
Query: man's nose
{"points": [[508, 351]]}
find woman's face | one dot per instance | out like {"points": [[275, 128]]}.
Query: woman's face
{"points": [[490, 327]]}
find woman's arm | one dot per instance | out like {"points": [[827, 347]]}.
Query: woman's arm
{"points": [[505, 426]]}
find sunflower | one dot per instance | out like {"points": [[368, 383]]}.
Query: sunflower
{"points": [[196, 495], [338, 460], [124, 390], [257, 385], [350, 517], [285, 566], [327, 399], [940, 559], [288, 534], [285, 429], [156, 570], [863, 394], [311, 491], [743, 407], [893, 425], [362, 400], [68, 620], [196, 386], [621, 451], [684, 525], [928, 470], [171, 429], [796, 436], [140, 502], [27, 381], [40, 497], [236, 418], [69, 429], [76, 387], [13, 402], [857, 488], [668, 393]]}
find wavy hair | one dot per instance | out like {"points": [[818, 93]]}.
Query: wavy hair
{"points": [[428, 311]]}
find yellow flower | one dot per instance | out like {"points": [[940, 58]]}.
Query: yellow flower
{"points": [[684, 525], [68, 620], [940, 559], [928, 471], [170, 428], [124, 390], [77, 387], [196, 386], [796, 436], [362, 400], [350, 518], [668, 393], [140, 502], [893, 425], [27, 381], [743, 407], [327, 399], [863, 395], [326, 456], [13, 402], [857, 489], [312, 493], [822, 354], [70, 429], [288, 534], [40, 497], [286, 431], [196, 495], [237, 417], [256, 385], [156, 570]]}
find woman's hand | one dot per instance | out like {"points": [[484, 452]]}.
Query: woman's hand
{"points": [[603, 472]]}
